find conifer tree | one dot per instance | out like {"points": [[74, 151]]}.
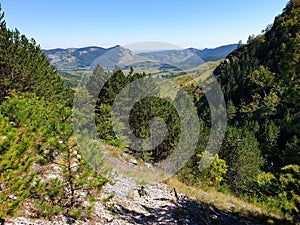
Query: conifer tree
{"points": [[24, 68]]}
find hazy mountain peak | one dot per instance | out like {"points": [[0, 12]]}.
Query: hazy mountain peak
{"points": [[88, 57]]}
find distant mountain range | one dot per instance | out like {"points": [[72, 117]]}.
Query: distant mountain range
{"points": [[88, 57]]}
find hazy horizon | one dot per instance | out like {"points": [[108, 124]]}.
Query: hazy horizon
{"points": [[141, 49], [198, 24]]}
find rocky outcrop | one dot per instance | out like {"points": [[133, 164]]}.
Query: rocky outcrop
{"points": [[124, 201]]}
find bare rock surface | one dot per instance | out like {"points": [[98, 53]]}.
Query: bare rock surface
{"points": [[125, 202]]}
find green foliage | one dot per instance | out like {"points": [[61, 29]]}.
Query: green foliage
{"points": [[282, 191], [24, 68], [261, 85], [75, 213], [290, 186], [213, 175], [71, 79], [39, 132], [291, 152], [141, 114], [47, 209], [191, 173], [267, 182], [77, 176], [242, 155], [19, 139], [103, 120], [36, 132], [262, 77]]}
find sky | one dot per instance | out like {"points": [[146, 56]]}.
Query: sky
{"points": [[106, 23]]}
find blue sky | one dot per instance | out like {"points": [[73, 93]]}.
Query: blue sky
{"points": [[186, 23]]}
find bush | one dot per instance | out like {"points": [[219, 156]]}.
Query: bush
{"points": [[213, 175]]}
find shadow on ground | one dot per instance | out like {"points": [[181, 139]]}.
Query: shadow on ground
{"points": [[188, 212]]}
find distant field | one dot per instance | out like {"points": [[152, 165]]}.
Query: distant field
{"points": [[181, 77], [192, 78]]}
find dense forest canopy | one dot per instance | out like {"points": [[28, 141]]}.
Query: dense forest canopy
{"points": [[261, 84]]}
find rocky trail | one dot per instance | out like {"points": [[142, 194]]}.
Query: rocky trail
{"points": [[158, 204], [125, 202]]}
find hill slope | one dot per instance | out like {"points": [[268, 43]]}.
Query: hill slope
{"points": [[262, 79], [87, 58], [261, 85]]}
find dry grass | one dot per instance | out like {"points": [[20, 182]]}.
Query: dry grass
{"points": [[210, 199], [114, 159], [223, 202]]}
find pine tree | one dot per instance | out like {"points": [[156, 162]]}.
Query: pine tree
{"points": [[38, 132], [24, 68], [243, 158]]}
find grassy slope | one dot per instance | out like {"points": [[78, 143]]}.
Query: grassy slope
{"points": [[194, 76]]}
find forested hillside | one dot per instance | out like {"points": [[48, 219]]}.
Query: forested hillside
{"points": [[259, 160], [261, 85]]}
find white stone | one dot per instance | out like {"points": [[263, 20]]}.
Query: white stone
{"points": [[13, 197], [133, 161]]}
